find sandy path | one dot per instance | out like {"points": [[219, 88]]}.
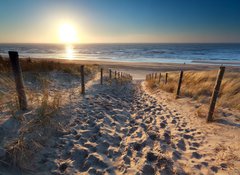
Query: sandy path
{"points": [[123, 130]]}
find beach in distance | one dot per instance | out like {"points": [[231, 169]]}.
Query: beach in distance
{"points": [[156, 53], [139, 70], [138, 59]]}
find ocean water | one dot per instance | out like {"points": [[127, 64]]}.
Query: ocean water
{"points": [[167, 53]]}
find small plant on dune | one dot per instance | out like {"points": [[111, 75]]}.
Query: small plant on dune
{"points": [[48, 105], [8, 97], [19, 152], [13, 106], [151, 84], [32, 133]]}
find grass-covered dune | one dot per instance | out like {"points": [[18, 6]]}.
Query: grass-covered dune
{"points": [[50, 86], [36, 73], [199, 85]]}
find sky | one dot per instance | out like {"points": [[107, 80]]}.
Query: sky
{"points": [[121, 21]]}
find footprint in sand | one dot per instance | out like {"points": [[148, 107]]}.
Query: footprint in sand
{"points": [[196, 155], [181, 145]]}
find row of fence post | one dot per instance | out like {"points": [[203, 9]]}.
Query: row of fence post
{"points": [[120, 76], [17, 72], [151, 77], [117, 76]]}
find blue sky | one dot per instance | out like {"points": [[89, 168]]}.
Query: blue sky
{"points": [[121, 20]]}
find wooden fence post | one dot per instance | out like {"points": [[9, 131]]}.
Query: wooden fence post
{"points": [[159, 80], [166, 78], [101, 78], [179, 84], [155, 75], [115, 74], [215, 93], [110, 74], [17, 72], [82, 79]]}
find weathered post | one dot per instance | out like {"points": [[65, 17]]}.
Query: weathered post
{"points": [[166, 78], [115, 74], [159, 79], [82, 79], [17, 72], [110, 74], [121, 81], [155, 75], [101, 79], [215, 93], [179, 84]]}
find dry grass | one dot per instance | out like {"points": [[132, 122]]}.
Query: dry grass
{"points": [[34, 70], [199, 86], [8, 97], [29, 65], [49, 105], [37, 125], [35, 130]]}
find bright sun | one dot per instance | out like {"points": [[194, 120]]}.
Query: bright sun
{"points": [[67, 33]]}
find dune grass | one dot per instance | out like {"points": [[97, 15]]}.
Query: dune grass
{"points": [[31, 65], [41, 120], [35, 70], [199, 86]]}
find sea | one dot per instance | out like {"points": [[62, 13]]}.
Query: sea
{"points": [[156, 53]]}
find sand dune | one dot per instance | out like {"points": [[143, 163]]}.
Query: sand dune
{"points": [[123, 129]]}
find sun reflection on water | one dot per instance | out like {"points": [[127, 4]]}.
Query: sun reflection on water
{"points": [[69, 52]]}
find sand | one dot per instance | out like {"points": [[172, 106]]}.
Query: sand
{"points": [[127, 129]]}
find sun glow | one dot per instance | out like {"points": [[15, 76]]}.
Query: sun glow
{"points": [[69, 52], [67, 33]]}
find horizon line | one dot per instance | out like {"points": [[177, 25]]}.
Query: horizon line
{"points": [[123, 43]]}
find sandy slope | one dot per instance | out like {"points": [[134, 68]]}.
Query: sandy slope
{"points": [[217, 144], [126, 129]]}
